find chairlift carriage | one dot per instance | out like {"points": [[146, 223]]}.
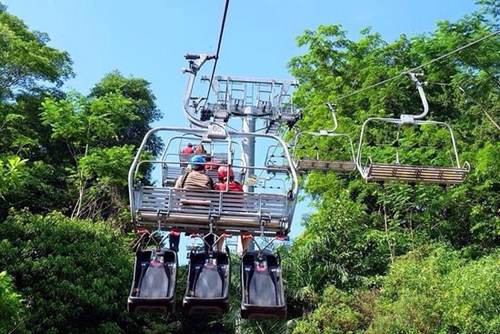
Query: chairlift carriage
{"points": [[265, 209], [324, 150], [414, 140]]}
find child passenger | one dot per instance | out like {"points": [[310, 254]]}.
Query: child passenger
{"points": [[227, 183]]}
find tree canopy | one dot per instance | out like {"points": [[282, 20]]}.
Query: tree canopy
{"points": [[359, 231]]}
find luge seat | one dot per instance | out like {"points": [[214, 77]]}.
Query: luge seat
{"points": [[415, 173], [325, 165], [262, 287], [191, 211], [153, 282], [208, 283]]}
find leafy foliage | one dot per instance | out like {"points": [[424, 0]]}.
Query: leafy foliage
{"points": [[89, 128], [74, 275], [359, 231], [25, 58], [338, 312], [143, 107], [10, 304], [435, 290]]}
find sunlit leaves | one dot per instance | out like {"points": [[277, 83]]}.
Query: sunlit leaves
{"points": [[10, 305], [435, 290], [75, 271], [10, 173], [25, 58]]}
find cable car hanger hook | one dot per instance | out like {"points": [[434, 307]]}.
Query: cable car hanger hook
{"points": [[409, 119], [335, 124]]}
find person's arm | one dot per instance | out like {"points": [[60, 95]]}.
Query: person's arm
{"points": [[178, 182]]}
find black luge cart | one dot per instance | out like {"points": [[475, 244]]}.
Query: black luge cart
{"points": [[262, 295], [153, 283], [208, 282]]}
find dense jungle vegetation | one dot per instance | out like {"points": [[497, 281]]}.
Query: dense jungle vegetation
{"points": [[392, 258]]}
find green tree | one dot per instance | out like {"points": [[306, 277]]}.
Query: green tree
{"points": [[97, 170], [359, 229], [26, 60], [74, 275], [338, 312], [10, 304], [435, 290], [29, 69], [143, 107]]}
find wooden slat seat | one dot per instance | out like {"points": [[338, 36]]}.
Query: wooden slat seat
{"points": [[415, 173], [191, 211], [171, 173], [219, 157], [278, 169], [325, 165]]}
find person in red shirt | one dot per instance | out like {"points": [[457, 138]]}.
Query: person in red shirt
{"points": [[188, 149], [211, 165], [227, 183], [186, 153]]}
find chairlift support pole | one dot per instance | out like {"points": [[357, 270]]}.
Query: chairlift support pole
{"points": [[248, 126]]}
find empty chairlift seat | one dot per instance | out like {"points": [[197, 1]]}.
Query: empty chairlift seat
{"points": [[262, 287], [304, 164], [411, 173], [153, 282], [407, 125], [170, 173], [324, 150], [208, 283]]}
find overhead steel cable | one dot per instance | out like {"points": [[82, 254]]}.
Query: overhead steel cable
{"points": [[413, 70], [221, 33]]}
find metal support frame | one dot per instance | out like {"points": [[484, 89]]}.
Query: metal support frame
{"points": [[266, 99]]}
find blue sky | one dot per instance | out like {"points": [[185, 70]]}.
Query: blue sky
{"points": [[148, 39]]}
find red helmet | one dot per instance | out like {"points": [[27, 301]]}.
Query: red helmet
{"points": [[223, 171]]}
